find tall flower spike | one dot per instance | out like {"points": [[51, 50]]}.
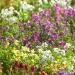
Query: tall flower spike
{"points": [[35, 36], [33, 68], [35, 17], [21, 65], [26, 67]]}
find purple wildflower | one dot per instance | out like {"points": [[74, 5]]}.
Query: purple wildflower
{"points": [[57, 12], [21, 65], [35, 36], [26, 67], [25, 40], [47, 12], [57, 9], [20, 24], [69, 12], [33, 68], [62, 43], [29, 45], [15, 66], [48, 22], [72, 73], [50, 41], [65, 12], [35, 17], [54, 36], [62, 72]]}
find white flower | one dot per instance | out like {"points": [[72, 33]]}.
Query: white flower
{"points": [[70, 67], [62, 52], [40, 50], [45, 1], [47, 55], [11, 8], [62, 3], [56, 50], [40, 2], [40, 9], [6, 12], [44, 45], [67, 45], [25, 6], [59, 51], [12, 19]]}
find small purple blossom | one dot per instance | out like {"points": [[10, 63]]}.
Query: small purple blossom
{"points": [[62, 43], [35, 17], [66, 12], [54, 36], [20, 24], [33, 68], [50, 41], [15, 66], [69, 12], [56, 9], [35, 36], [25, 40], [21, 65], [72, 73], [29, 45], [47, 12], [26, 67], [62, 72]]}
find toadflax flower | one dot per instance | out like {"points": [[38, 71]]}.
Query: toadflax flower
{"points": [[68, 45], [25, 40], [43, 73], [62, 43], [35, 17], [21, 65], [71, 73], [36, 36], [62, 72], [32, 67], [26, 67], [47, 12], [57, 10], [15, 66]]}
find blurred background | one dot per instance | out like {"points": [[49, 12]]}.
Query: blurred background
{"points": [[7, 3]]}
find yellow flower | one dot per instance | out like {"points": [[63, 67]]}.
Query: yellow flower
{"points": [[40, 50], [7, 44], [74, 70], [54, 67], [26, 49], [32, 51], [65, 65], [16, 42]]}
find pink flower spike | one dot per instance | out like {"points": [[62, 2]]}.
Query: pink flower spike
{"points": [[26, 67], [33, 68]]}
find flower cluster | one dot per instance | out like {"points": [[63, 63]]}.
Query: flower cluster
{"points": [[49, 27], [36, 42], [8, 14], [25, 6]]}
